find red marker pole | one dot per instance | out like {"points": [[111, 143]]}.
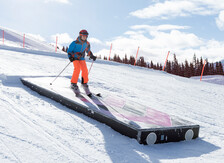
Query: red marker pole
{"points": [[110, 50], [166, 60], [3, 36], [136, 56], [203, 70], [23, 40], [56, 44]]}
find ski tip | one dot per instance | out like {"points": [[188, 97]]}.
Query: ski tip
{"points": [[90, 95], [98, 94]]}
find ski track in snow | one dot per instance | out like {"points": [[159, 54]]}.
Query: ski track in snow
{"points": [[41, 127], [23, 117], [33, 127]]}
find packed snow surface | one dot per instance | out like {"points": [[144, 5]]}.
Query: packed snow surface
{"points": [[215, 79], [34, 128]]}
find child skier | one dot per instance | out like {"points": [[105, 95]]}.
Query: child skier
{"points": [[76, 54]]}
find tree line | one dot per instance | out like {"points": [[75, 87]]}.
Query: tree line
{"points": [[186, 69]]}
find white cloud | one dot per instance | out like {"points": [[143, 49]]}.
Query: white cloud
{"points": [[176, 39], [95, 41], [156, 46], [63, 38], [164, 10], [58, 1], [213, 50], [220, 21], [36, 36], [171, 37], [180, 8], [163, 27]]}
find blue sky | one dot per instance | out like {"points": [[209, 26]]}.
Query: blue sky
{"points": [[184, 27]]}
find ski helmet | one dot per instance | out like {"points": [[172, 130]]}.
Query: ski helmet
{"points": [[83, 32]]}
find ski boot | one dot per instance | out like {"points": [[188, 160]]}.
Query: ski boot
{"points": [[75, 88], [86, 89]]}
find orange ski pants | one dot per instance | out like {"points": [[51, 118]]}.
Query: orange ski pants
{"points": [[78, 66]]}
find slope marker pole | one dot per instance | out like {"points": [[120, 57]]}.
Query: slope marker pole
{"points": [[202, 70], [56, 44], [136, 56], [110, 50], [166, 60]]}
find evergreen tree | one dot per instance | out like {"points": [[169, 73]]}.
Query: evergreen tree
{"points": [[182, 69], [148, 65], [192, 69], [118, 59], [194, 61], [142, 62], [201, 63], [157, 66], [216, 68], [206, 69], [63, 49], [125, 60], [168, 67], [151, 65], [212, 69], [187, 70], [160, 67], [175, 66], [197, 68], [221, 68], [115, 57], [132, 60]]}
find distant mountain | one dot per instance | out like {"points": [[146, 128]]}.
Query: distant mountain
{"points": [[14, 38]]}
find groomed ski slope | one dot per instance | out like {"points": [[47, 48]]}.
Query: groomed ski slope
{"points": [[34, 128]]}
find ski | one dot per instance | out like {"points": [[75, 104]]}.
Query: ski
{"points": [[97, 94], [90, 95], [93, 95]]}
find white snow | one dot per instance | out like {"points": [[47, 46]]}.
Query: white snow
{"points": [[216, 79], [34, 128]]}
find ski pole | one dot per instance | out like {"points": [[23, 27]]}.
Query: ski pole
{"points": [[90, 67], [60, 73]]}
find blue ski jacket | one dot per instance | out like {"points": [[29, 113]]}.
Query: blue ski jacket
{"points": [[78, 48]]}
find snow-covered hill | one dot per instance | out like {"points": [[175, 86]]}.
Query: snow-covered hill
{"points": [[14, 38], [36, 129]]}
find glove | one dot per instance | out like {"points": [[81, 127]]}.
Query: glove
{"points": [[92, 56], [71, 59]]}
